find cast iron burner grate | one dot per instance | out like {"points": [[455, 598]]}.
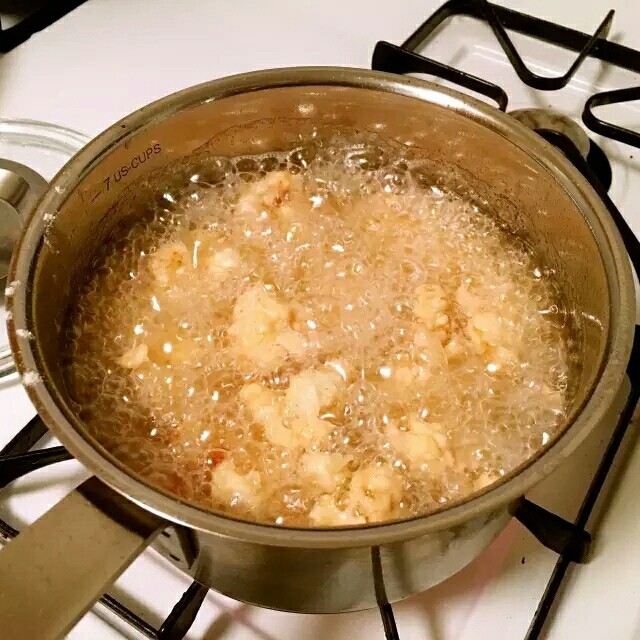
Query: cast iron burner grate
{"points": [[569, 539], [404, 59], [36, 20]]}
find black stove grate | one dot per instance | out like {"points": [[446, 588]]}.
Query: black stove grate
{"points": [[569, 539], [36, 20], [405, 59]]}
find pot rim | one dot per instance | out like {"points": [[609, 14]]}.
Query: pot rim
{"points": [[495, 497]]}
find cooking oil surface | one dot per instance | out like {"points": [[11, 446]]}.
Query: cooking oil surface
{"points": [[319, 339]]}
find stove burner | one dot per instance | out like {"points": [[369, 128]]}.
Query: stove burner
{"points": [[20, 187], [557, 121], [550, 120], [599, 164]]}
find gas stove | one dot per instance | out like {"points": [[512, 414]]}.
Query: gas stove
{"points": [[550, 77]]}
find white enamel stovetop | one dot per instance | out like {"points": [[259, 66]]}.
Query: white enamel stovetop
{"points": [[110, 57]]}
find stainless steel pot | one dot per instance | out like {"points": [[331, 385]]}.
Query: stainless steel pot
{"points": [[68, 557]]}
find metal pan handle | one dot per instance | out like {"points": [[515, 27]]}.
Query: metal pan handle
{"points": [[57, 568], [20, 188]]}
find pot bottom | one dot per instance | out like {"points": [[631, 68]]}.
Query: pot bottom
{"points": [[299, 580]]}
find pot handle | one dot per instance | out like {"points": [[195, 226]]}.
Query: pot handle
{"points": [[57, 568], [20, 188]]}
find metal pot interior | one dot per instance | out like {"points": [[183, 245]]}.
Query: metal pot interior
{"points": [[471, 150]]}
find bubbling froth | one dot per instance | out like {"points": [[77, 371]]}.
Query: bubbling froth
{"points": [[319, 338]]}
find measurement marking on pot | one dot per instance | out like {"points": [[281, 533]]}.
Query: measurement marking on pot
{"points": [[133, 164]]}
